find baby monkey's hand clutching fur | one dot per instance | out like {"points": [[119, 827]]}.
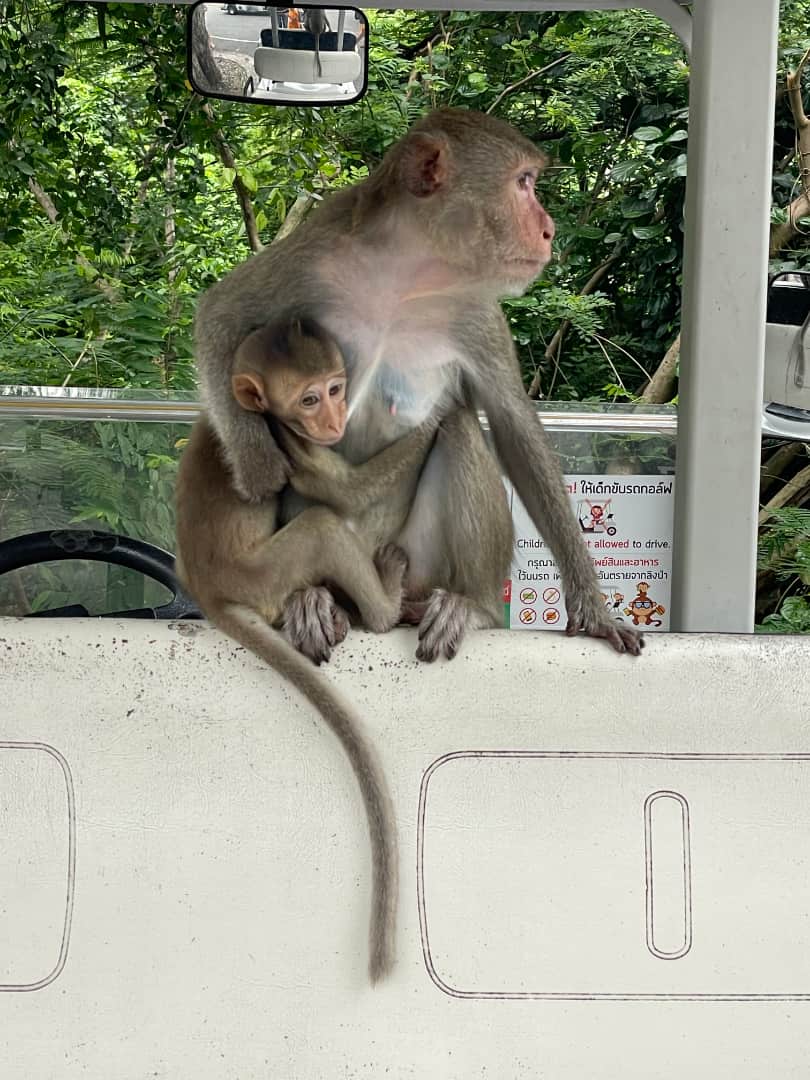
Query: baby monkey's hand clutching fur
{"points": [[321, 475]]}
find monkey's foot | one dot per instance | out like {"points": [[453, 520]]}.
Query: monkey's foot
{"points": [[392, 566], [447, 617], [599, 624], [313, 623]]}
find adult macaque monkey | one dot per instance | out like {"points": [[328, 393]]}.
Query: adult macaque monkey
{"points": [[241, 570], [405, 269]]}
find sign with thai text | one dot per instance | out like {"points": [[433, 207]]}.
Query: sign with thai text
{"points": [[626, 523]]}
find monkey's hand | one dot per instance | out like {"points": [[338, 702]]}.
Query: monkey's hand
{"points": [[400, 463], [263, 478], [320, 474], [586, 613]]}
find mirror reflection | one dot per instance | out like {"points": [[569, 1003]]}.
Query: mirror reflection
{"points": [[282, 56]]}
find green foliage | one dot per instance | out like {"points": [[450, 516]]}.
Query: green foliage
{"points": [[784, 545], [99, 120], [793, 617], [101, 123], [784, 548], [118, 477]]}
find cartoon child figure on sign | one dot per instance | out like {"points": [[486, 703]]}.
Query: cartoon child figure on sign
{"points": [[596, 517], [614, 602], [642, 609]]}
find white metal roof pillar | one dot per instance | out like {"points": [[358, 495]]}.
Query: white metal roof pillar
{"points": [[722, 350]]}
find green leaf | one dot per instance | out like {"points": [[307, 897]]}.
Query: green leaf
{"points": [[648, 232], [249, 180], [624, 170], [636, 208], [647, 134]]}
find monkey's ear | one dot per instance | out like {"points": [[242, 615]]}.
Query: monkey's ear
{"points": [[248, 389], [425, 165]]}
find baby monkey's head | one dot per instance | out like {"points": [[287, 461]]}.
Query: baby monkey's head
{"points": [[294, 371]]}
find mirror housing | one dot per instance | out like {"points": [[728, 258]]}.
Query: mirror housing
{"points": [[266, 55], [786, 409]]}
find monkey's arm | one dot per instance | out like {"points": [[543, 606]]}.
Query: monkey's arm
{"points": [[523, 448], [325, 477], [258, 468]]}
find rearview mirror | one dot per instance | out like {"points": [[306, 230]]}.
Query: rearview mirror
{"points": [[278, 56]]}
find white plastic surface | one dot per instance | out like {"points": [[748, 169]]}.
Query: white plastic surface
{"points": [[296, 65], [575, 827]]}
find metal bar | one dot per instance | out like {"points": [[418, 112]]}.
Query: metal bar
{"points": [[341, 23], [723, 338], [274, 25], [640, 423], [55, 409]]}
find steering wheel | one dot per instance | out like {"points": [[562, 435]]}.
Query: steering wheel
{"points": [[154, 562]]}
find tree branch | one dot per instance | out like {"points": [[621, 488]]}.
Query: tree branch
{"points": [[661, 386], [553, 348], [410, 52], [242, 193], [772, 469], [52, 214], [794, 490], [295, 215], [600, 183], [526, 79], [794, 93], [783, 232], [145, 166]]}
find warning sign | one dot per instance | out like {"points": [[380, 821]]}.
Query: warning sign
{"points": [[626, 524]]}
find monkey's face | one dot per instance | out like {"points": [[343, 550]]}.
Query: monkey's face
{"points": [[292, 371], [474, 180], [526, 231], [504, 242], [315, 407]]}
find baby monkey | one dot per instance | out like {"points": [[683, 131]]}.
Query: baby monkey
{"points": [[241, 570]]}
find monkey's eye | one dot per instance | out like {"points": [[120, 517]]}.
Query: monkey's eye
{"points": [[337, 389], [309, 401], [527, 180]]}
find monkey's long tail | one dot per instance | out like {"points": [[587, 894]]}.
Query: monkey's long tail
{"points": [[249, 629]]}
